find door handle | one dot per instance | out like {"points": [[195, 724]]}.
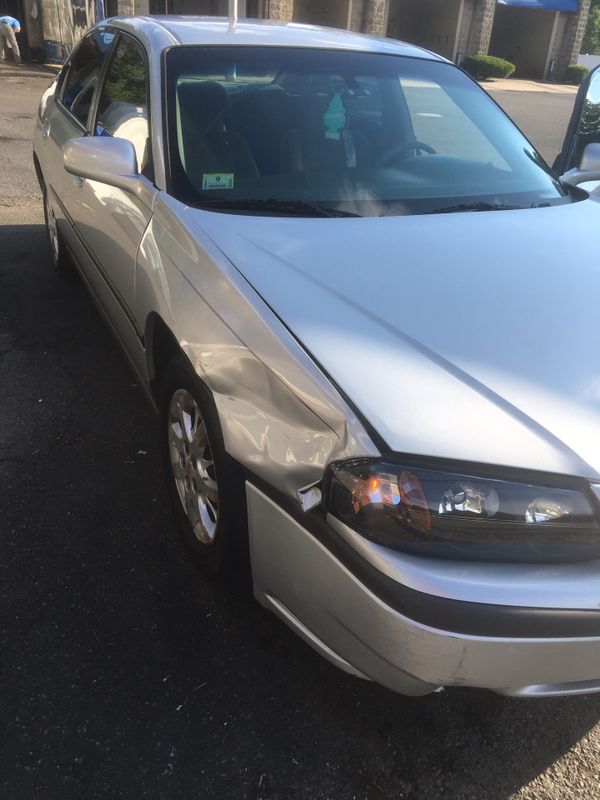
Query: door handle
{"points": [[78, 181]]}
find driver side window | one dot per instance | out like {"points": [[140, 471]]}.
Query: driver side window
{"points": [[123, 103], [84, 71]]}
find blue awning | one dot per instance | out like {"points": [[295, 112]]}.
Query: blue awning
{"points": [[546, 5]]}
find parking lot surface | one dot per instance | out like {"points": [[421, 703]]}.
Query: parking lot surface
{"points": [[542, 116], [123, 673]]}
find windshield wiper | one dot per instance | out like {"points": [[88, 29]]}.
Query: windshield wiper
{"points": [[479, 206], [293, 207]]}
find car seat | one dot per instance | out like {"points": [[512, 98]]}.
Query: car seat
{"points": [[264, 117], [206, 145], [324, 142]]}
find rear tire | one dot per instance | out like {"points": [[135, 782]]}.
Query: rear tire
{"points": [[206, 486], [57, 252]]}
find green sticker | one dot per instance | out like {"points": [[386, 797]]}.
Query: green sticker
{"points": [[217, 180], [334, 117]]}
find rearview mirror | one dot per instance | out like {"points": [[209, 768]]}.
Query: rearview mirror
{"points": [[107, 160]]}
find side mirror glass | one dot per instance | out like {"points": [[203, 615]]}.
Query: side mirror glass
{"points": [[584, 127], [107, 160], [589, 168]]}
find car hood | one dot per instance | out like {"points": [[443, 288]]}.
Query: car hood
{"points": [[471, 336]]}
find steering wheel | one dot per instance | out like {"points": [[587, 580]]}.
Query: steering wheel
{"points": [[409, 144]]}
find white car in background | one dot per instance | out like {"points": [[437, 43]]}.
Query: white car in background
{"points": [[367, 314]]}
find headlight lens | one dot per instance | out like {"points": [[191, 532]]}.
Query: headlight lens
{"points": [[439, 512]]}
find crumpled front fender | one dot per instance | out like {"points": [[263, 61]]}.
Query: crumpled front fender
{"points": [[281, 418]]}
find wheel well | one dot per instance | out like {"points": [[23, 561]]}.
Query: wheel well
{"points": [[161, 346]]}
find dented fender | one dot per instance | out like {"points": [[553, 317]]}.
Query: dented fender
{"points": [[280, 416]]}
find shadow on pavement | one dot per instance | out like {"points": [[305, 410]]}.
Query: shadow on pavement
{"points": [[124, 674]]}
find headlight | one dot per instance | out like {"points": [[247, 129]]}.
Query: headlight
{"points": [[439, 512]]}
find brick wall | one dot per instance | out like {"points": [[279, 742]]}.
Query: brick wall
{"points": [[369, 16], [481, 27], [375, 17], [571, 40], [279, 9]]}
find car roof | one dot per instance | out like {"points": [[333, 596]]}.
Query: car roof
{"points": [[169, 30]]}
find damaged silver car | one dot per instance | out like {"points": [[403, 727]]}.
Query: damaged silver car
{"points": [[366, 312]]}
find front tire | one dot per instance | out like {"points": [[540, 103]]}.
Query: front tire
{"points": [[206, 486], [58, 256]]}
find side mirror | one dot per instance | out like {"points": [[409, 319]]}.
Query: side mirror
{"points": [[588, 169], [107, 160], [583, 130]]}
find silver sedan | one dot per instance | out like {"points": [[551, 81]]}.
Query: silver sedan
{"points": [[366, 312]]}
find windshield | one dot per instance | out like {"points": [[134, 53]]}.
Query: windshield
{"points": [[304, 132]]}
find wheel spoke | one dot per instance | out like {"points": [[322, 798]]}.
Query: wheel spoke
{"points": [[196, 425], [192, 506], [176, 416], [212, 509], [211, 495], [184, 421], [210, 484], [178, 470], [200, 439]]}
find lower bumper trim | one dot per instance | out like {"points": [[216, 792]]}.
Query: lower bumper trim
{"points": [[553, 689]]}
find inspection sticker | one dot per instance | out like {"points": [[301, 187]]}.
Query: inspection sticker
{"points": [[217, 180]]}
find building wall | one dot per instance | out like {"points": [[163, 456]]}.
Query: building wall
{"points": [[213, 8], [282, 10], [60, 25], [462, 41], [431, 24], [572, 38], [480, 29], [332, 13], [31, 16], [375, 17], [523, 36], [589, 61], [369, 16], [557, 43], [450, 27]]}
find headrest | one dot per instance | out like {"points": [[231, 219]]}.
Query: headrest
{"points": [[270, 103], [203, 104]]}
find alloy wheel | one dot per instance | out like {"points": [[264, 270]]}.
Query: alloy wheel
{"points": [[193, 466]]}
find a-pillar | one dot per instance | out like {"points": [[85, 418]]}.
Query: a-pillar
{"points": [[572, 39]]}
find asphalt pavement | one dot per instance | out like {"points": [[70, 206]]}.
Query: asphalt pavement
{"points": [[124, 674], [543, 116]]}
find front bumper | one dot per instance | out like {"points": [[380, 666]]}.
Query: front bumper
{"points": [[301, 580]]}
